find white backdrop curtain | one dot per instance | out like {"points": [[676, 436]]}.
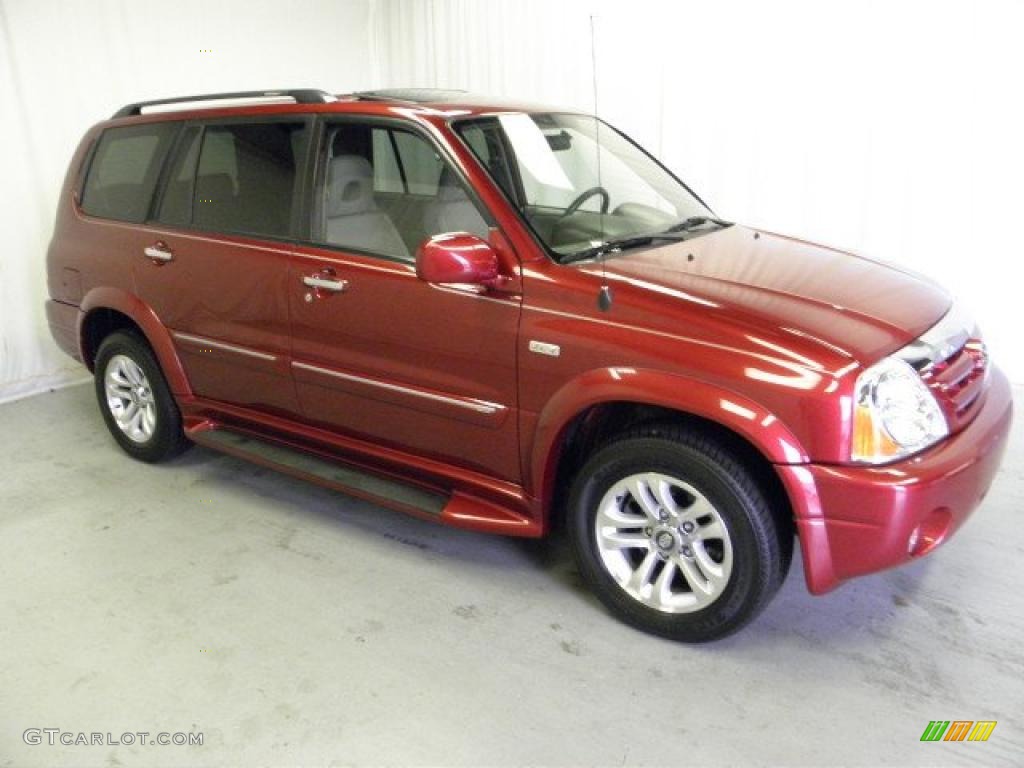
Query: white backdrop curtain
{"points": [[890, 128]]}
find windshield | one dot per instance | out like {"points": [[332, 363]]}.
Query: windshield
{"points": [[578, 182]]}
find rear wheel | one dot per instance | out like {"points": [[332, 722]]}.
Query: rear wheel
{"points": [[674, 535], [135, 400]]}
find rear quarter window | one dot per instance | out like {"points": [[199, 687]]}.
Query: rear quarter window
{"points": [[124, 171]]}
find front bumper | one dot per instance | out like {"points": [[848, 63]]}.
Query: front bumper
{"points": [[854, 520]]}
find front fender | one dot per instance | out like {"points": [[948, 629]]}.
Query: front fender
{"points": [[145, 318], [646, 387]]}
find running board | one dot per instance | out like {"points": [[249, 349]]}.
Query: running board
{"points": [[457, 509]]}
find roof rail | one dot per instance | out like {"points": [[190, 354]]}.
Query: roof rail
{"points": [[298, 96]]}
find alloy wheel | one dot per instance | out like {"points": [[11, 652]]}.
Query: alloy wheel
{"points": [[663, 542], [130, 398]]}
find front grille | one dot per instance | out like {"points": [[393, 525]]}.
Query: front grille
{"points": [[958, 382]]}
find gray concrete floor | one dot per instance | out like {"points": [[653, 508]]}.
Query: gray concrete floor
{"points": [[293, 626]]}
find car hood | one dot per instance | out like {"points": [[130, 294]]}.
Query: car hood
{"points": [[861, 308]]}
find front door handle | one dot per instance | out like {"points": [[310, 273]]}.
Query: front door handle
{"points": [[325, 283], [158, 252]]}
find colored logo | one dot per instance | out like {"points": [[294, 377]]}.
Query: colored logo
{"points": [[958, 730]]}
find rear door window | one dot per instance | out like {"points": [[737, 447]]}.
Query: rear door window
{"points": [[125, 169], [246, 177]]}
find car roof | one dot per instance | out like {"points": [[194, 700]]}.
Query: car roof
{"points": [[446, 99], [426, 101]]}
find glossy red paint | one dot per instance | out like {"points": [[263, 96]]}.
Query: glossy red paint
{"points": [[212, 314], [857, 520], [629, 384], [411, 377], [127, 303], [63, 320], [457, 258], [446, 387], [463, 510], [490, 492]]}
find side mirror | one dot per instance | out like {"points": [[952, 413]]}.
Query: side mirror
{"points": [[457, 257]]}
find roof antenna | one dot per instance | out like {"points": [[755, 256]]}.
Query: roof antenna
{"points": [[604, 296]]}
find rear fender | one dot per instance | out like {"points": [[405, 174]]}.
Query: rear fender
{"points": [[145, 318]]}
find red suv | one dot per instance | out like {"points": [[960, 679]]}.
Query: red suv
{"points": [[504, 318]]}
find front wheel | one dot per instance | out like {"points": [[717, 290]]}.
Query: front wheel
{"points": [[675, 536]]}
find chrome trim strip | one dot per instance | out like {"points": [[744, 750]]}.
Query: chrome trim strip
{"points": [[188, 338], [222, 238], [242, 101], [941, 341], [480, 406]]}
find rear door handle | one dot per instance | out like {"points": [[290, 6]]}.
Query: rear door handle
{"points": [[325, 283], [158, 252]]}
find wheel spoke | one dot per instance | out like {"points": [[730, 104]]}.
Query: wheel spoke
{"points": [[663, 585], [148, 419], [128, 413], [640, 490], [713, 530], [642, 575], [119, 379], [625, 540], [711, 569], [133, 372], [663, 491], [695, 579], [120, 385], [700, 507], [613, 516], [135, 421]]}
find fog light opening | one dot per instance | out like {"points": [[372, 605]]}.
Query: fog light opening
{"points": [[930, 533], [915, 535]]}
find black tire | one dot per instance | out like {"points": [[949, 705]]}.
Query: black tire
{"points": [[761, 545], [167, 439]]}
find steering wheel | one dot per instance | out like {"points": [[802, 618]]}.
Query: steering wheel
{"points": [[582, 198]]}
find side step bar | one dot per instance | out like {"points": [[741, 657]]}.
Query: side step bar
{"points": [[457, 509], [312, 467]]}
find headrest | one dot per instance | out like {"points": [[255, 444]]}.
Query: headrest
{"points": [[349, 186]]}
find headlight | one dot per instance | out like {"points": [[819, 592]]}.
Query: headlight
{"points": [[894, 414]]}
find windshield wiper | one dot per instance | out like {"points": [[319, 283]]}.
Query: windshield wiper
{"points": [[697, 221], [677, 232], [621, 244]]}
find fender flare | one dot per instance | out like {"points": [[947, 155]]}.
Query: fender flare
{"points": [[757, 425], [146, 319]]}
